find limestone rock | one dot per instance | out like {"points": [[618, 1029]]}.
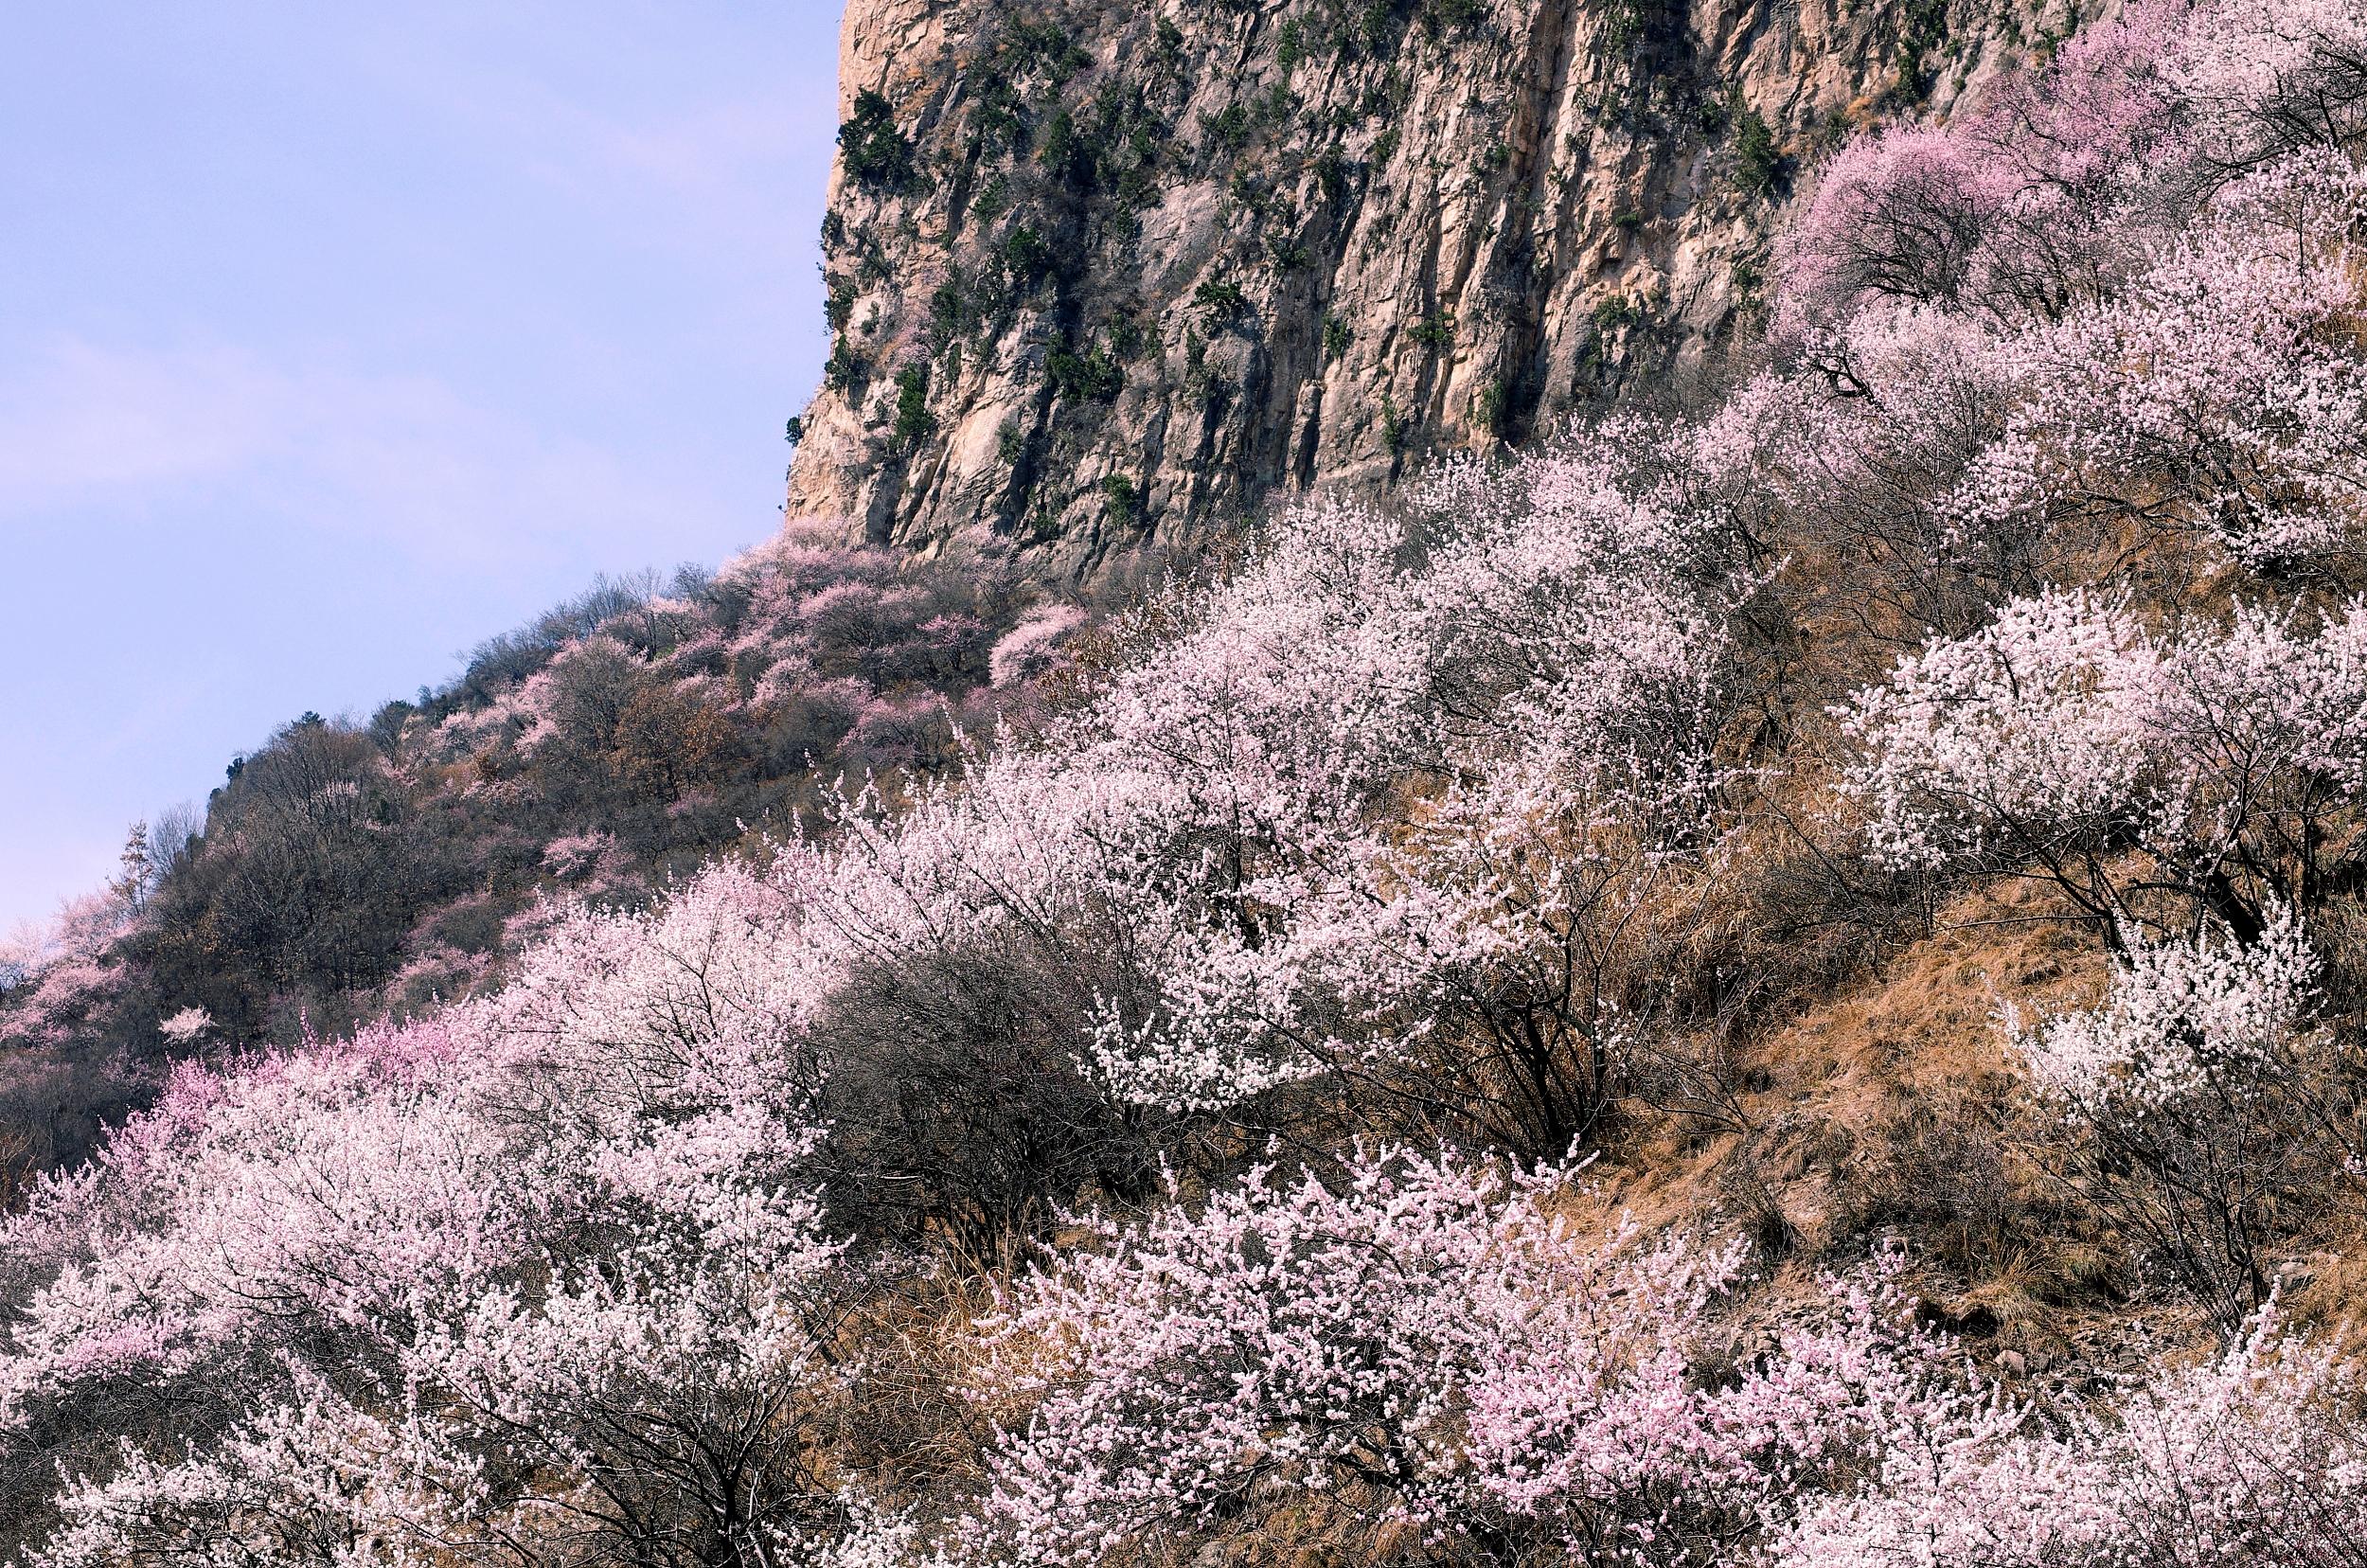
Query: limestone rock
{"points": [[1106, 276]]}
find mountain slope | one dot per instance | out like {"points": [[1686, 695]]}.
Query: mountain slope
{"points": [[343, 870], [1772, 986]]}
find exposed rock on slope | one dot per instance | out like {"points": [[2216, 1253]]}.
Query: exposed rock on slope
{"points": [[1103, 274]]}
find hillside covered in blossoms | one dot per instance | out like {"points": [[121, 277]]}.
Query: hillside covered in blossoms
{"points": [[348, 871], [1771, 982]]}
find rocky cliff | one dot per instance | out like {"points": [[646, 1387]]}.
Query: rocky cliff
{"points": [[1102, 276]]}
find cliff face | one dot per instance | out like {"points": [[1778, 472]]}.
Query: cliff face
{"points": [[1104, 275]]}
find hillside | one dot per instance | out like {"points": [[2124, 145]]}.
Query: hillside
{"points": [[1772, 982], [1103, 275], [347, 870]]}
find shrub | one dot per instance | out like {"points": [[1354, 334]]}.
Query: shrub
{"points": [[1337, 336], [871, 148], [846, 371], [993, 199], [1492, 407], [914, 422], [1228, 128], [1759, 162], [1091, 377], [1125, 502], [1026, 258], [1220, 302]]}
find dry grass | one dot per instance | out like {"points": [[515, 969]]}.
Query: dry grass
{"points": [[1893, 1109]]}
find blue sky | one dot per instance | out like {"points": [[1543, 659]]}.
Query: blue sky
{"points": [[335, 338]]}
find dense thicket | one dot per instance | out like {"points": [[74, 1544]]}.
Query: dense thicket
{"points": [[1447, 1043]]}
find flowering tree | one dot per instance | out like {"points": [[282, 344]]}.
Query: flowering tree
{"points": [[2108, 306], [2065, 733], [1293, 1335], [1424, 1339], [2252, 1457], [1551, 675], [2015, 211], [537, 1279], [2209, 1104], [1421, 1343], [1382, 794], [2205, 393]]}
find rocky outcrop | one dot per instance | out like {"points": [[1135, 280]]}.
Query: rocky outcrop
{"points": [[1105, 276]]}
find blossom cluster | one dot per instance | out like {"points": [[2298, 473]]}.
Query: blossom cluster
{"points": [[2065, 729], [1426, 1337], [1541, 664], [540, 1272], [2254, 1456], [2115, 298], [2181, 1016]]}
